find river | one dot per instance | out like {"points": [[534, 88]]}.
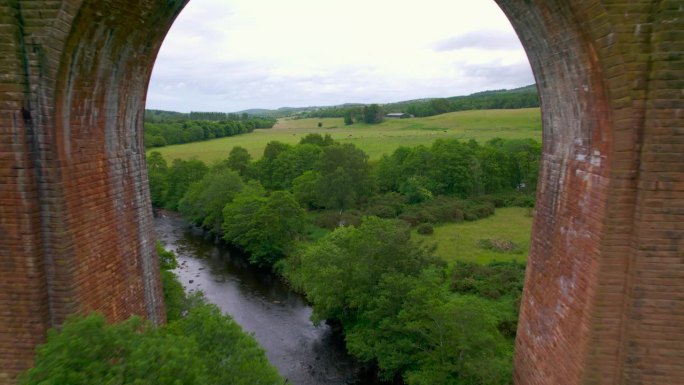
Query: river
{"points": [[305, 354]]}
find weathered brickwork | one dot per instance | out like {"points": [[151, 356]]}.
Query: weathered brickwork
{"points": [[604, 292], [75, 218]]}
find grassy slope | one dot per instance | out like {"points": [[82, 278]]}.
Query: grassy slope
{"points": [[458, 241], [375, 140]]}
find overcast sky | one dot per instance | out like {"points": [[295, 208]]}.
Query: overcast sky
{"points": [[230, 55]]}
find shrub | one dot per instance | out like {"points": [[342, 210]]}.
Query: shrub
{"points": [[425, 229], [330, 219], [382, 211], [510, 199]]}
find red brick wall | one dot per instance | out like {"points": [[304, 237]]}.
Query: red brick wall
{"points": [[75, 225], [603, 297]]}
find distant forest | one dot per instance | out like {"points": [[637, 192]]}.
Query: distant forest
{"points": [[169, 127], [524, 97]]}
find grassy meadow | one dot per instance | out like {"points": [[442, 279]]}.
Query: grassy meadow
{"points": [[375, 140], [459, 241], [455, 241]]}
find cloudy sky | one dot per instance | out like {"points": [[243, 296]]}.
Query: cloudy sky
{"points": [[230, 55]]}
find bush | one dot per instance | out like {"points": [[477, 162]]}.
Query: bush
{"points": [[501, 281], [382, 211], [331, 219], [174, 296], [510, 199], [474, 210], [425, 229], [87, 350], [389, 205]]}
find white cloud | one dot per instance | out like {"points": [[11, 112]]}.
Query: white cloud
{"points": [[231, 55]]}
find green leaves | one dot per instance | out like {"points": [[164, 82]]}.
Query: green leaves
{"points": [[88, 350], [179, 177], [341, 272], [450, 167], [232, 356], [266, 227], [206, 347], [394, 302], [203, 203]]}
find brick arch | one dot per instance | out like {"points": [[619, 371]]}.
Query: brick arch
{"points": [[602, 300]]}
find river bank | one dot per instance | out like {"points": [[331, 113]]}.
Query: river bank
{"points": [[258, 300]]}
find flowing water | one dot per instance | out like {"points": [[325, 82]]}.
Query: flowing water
{"points": [[305, 354]]}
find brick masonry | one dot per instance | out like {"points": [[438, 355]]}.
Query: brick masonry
{"points": [[604, 292], [75, 220]]}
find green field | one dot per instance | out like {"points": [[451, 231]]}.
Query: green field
{"points": [[459, 241], [375, 140]]}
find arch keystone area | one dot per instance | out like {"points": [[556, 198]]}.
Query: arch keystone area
{"points": [[604, 295]]}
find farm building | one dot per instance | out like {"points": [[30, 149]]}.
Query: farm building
{"points": [[398, 115]]}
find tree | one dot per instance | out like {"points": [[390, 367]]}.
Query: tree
{"points": [[87, 351], [204, 347], [341, 272], [232, 356], [292, 163], [304, 189], [157, 171], [267, 228], [265, 166], [239, 160], [344, 176], [203, 203], [348, 119], [317, 139], [451, 170], [179, 178], [373, 114], [458, 340]]}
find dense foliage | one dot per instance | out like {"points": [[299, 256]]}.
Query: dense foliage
{"points": [[524, 97], [168, 127], [199, 345], [449, 181], [266, 227], [176, 132], [450, 167], [393, 299], [339, 229]]}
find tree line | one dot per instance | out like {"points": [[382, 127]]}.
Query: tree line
{"points": [[161, 116], [524, 97], [185, 131]]}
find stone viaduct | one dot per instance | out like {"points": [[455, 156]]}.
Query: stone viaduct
{"points": [[604, 292]]}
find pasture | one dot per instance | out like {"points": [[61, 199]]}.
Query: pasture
{"points": [[375, 140], [460, 241]]}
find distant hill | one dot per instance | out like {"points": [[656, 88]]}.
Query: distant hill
{"points": [[522, 97]]}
